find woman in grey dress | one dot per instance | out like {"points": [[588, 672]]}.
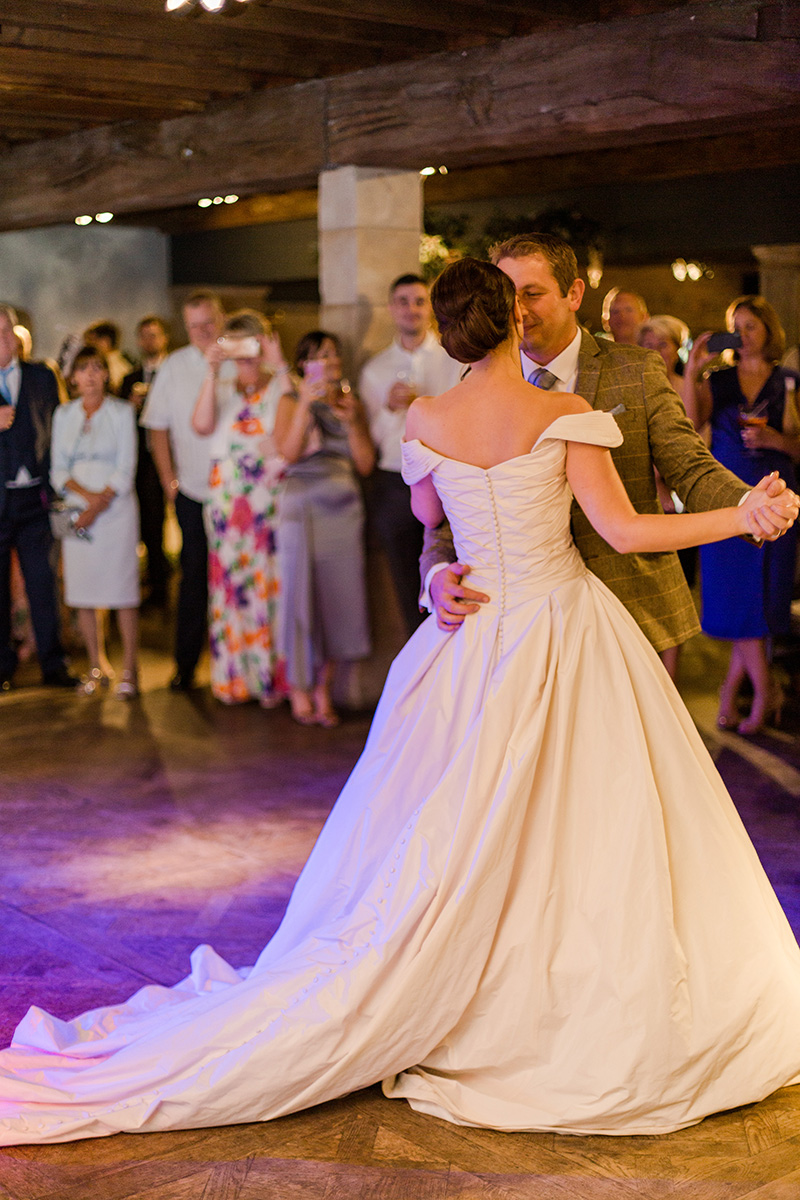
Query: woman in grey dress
{"points": [[321, 431]]}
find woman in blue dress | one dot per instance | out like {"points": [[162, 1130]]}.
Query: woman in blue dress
{"points": [[747, 589]]}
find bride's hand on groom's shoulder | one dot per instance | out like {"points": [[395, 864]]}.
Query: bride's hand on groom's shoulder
{"points": [[451, 600]]}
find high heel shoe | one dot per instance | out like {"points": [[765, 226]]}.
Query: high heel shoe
{"points": [[727, 715], [128, 686], [768, 712], [91, 683]]}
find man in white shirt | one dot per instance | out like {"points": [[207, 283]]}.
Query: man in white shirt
{"points": [[182, 460], [414, 365]]}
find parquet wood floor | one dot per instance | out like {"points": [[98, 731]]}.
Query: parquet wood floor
{"points": [[130, 833]]}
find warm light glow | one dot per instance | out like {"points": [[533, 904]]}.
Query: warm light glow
{"points": [[172, 5], [205, 202], [231, 199], [442, 170], [694, 271], [428, 171], [104, 218], [212, 5], [218, 200], [83, 220], [679, 269]]}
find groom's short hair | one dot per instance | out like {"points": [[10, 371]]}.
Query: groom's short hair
{"points": [[558, 253]]}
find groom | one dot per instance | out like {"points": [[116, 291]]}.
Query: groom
{"points": [[632, 383]]}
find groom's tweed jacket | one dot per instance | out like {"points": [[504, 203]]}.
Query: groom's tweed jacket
{"points": [[657, 433]]}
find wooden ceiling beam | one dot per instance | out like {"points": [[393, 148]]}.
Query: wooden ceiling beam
{"points": [[702, 72], [235, 65], [213, 34], [83, 107]]}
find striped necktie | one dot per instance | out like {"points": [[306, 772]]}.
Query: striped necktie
{"points": [[542, 378], [5, 386]]}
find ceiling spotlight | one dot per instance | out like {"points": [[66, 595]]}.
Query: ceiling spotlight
{"points": [[428, 171], [83, 220], [104, 218], [210, 6], [231, 199], [218, 200], [679, 269], [205, 202], [442, 170]]}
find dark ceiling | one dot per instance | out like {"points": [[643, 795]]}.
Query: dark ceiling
{"points": [[67, 65]]}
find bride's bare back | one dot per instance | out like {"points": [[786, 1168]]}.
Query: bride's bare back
{"points": [[491, 416]]}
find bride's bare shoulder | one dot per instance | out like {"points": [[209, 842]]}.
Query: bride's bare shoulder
{"points": [[566, 404]]}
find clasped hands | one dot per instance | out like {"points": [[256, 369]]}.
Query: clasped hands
{"points": [[98, 502], [453, 601]]}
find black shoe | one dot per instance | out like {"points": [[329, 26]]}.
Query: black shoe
{"points": [[60, 678], [181, 682]]}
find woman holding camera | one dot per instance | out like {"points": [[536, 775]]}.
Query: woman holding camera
{"points": [[747, 589], [241, 511], [321, 431], [93, 464]]}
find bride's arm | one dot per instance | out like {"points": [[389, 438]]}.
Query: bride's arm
{"points": [[425, 503], [599, 491]]}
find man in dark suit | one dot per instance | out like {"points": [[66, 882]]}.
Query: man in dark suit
{"points": [[28, 399], [153, 343]]}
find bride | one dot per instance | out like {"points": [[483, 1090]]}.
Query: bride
{"points": [[533, 906]]}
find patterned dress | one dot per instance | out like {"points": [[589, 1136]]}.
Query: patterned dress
{"points": [[241, 517]]}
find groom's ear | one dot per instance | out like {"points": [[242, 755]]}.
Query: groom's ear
{"points": [[518, 321], [575, 294]]}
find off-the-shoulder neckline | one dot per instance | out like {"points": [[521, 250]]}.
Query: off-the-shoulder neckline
{"points": [[460, 462]]}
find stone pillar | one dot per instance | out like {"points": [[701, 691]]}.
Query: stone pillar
{"points": [[370, 222], [779, 271]]}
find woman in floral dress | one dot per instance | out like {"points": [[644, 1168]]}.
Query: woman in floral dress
{"points": [[241, 511]]}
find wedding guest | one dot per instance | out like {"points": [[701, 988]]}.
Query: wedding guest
{"points": [[183, 461], [321, 430], [238, 415], [415, 364], [624, 313], [666, 335], [28, 399], [94, 463], [104, 336], [151, 333], [747, 589]]}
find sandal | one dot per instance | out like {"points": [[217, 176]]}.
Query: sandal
{"points": [[302, 708], [128, 686], [328, 719], [91, 683]]}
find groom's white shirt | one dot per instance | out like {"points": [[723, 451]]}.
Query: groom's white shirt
{"points": [[564, 366]]}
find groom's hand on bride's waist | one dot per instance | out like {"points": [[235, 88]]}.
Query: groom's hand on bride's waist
{"points": [[451, 600]]}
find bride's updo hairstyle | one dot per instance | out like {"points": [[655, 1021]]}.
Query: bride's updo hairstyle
{"points": [[472, 302]]}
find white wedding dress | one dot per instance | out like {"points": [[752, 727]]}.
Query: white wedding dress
{"points": [[533, 906]]}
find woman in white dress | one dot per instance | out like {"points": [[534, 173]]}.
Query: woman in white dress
{"points": [[533, 905], [93, 464]]}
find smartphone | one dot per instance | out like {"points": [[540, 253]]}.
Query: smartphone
{"points": [[723, 341], [240, 347], [314, 371]]}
